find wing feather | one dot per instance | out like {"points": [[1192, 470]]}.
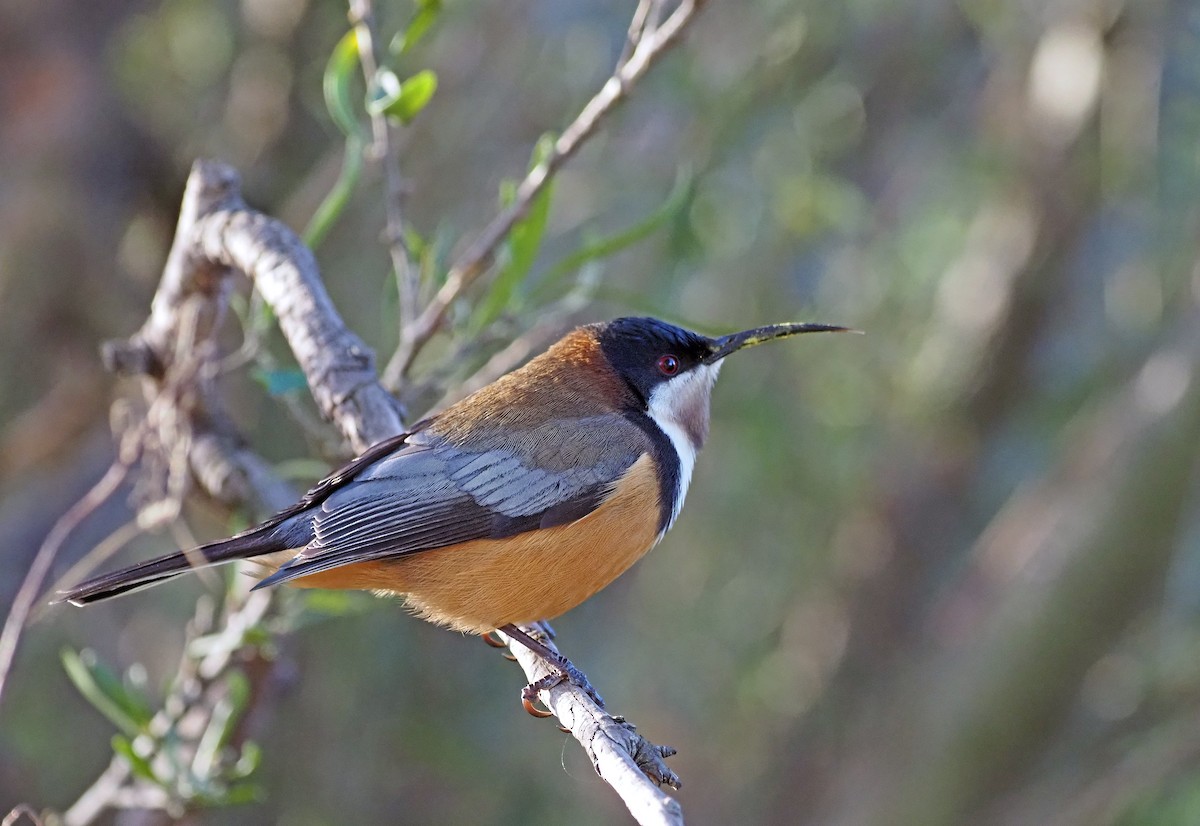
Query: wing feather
{"points": [[432, 493]]}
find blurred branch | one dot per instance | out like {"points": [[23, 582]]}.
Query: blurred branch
{"points": [[1090, 544], [13, 818], [649, 43], [31, 586]]}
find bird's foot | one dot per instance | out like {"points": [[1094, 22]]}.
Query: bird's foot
{"points": [[493, 639], [567, 672]]}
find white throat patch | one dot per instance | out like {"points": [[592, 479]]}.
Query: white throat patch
{"points": [[680, 408]]}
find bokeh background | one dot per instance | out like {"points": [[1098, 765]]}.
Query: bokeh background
{"points": [[948, 572]]}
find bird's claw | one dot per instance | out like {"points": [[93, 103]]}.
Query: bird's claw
{"points": [[565, 669], [567, 672], [529, 696], [493, 639]]}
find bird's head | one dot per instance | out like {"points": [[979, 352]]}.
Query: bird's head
{"points": [[670, 371]]}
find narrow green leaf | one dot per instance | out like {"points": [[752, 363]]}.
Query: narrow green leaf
{"points": [[401, 101], [243, 793], [523, 244], [340, 72], [609, 245], [127, 710], [508, 192], [222, 724], [334, 203], [140, 765], [426, 15], [248, 761]]}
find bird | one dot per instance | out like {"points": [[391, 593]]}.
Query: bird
{"points": [[513, 505]]}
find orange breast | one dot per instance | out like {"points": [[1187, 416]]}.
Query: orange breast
{"points": [[481, 585]]}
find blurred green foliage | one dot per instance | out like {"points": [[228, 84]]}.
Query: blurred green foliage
{"points": [[896, 594]]}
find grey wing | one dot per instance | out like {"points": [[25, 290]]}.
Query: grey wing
{"points": [[432, 493]]}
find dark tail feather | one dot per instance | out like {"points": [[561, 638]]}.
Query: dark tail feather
{"points": [[255, 542]]}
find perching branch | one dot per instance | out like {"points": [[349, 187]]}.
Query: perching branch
{"points": [[649, 43], [622, 757]]}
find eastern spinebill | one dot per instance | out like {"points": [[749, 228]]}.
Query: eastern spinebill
{"points": [[513, 505]]}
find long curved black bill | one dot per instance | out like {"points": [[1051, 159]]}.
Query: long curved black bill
{"points": [[749, 338]]}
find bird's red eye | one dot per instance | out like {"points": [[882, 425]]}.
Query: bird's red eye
{"points": [[668, 365]]}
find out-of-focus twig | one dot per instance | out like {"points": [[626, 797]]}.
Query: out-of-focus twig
{"points": [[384, 150], [31, 586], [651, 44]]}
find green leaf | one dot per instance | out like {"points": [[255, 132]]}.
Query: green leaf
{"points": [[248, 761], [333, 204], [609, 245], [127, 710], [281, 382], [337, 84], [243, 793], [222, 724], [340, 72], [140, 765], [523, 244], [401, 101], [426, 15]]}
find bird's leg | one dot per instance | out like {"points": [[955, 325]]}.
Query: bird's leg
{"points": [[566, 668]]}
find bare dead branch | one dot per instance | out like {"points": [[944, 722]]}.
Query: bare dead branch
{"points": [[651, 44]]}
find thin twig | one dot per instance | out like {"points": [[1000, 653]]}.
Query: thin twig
{"points": [[31, 587], [19, 811], [651, 45], [100, 795], [637, 26], [383, 150]]}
